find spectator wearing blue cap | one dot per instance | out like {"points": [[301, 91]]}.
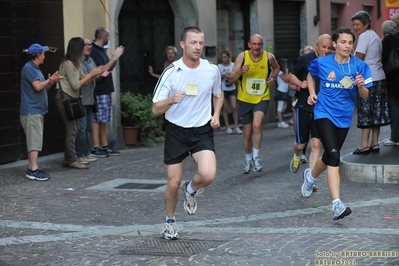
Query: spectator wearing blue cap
{"points": [[34, 104]]}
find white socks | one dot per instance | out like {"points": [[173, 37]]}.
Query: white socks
{"points": [[190, 189], [255, 153], [252, 155], [336, 201], [248, 157], [170, 219]]}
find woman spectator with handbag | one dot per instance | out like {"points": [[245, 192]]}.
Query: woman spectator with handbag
{"points": [[69, 88]]}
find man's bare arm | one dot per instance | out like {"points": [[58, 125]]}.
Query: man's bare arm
{"points": [[237, 71]]}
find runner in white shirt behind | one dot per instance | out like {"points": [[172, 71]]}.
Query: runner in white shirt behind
{"points": [[184, 93]]}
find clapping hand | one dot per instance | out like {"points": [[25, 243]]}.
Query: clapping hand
{"points": [[118, 52], [55, 77], [97, 71]]}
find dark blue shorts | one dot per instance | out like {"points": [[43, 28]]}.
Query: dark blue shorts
{"points": [[246, 110], [228, 94]]}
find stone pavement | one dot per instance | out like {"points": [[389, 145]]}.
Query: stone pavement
{"points": [[80, 218]]}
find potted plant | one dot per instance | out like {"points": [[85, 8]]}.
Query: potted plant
{"points": [[138, 118]]}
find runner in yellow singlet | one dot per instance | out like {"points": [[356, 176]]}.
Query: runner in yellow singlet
{"points": [[251, 72]]}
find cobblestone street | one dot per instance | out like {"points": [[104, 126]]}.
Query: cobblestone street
{"points": [[112, 214]]}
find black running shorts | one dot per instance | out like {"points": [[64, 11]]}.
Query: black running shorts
{"points": [[181, 142], [305, 125]]}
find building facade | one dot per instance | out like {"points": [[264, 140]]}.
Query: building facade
{"points": [[146, 28]]}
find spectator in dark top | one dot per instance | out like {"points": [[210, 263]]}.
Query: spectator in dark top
{"points": [[391, 41], [305, 124], [34, 105], [104, 88]]}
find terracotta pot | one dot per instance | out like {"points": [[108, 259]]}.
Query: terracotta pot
{"points": [[130, 135]]}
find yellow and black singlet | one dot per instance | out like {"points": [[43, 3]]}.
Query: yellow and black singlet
{"points": [[252, 86]]}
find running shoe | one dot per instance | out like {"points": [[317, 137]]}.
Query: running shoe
{"points": [[170, 232], [307, 187], [247, 167], [190, 201], [295, 164], [282, 124], [237, 130], [340, 210], [38, 175], [390, 142], [304, 159], [99, 153], [257, 166]]}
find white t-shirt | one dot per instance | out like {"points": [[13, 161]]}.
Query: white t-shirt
{"points": [[226, 86], [282, 85], [192, 111], [370, 45]]}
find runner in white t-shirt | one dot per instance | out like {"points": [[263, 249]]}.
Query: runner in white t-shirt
{"points": [[184, 93]]}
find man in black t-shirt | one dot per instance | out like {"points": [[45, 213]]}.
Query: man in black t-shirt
{"points": [[103, 90], [304, 112]]}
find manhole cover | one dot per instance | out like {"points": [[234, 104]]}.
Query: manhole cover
{"points": [[132, 185], [139, 186], [163, 247]]}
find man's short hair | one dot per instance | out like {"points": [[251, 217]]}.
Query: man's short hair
{"points": [[189, 29], [100, 32]]}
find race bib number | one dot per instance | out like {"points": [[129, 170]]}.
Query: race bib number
{"points": [[346, 82], [192, 89], [256, 86]]}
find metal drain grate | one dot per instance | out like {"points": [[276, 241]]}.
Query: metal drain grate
{"points": [[139, 186], [163, 247], [131, 185]]}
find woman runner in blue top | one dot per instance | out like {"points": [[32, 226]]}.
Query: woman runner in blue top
{"points": [[342, 77]]}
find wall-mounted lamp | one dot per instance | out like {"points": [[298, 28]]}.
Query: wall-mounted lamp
{"points": [[316, 18]]}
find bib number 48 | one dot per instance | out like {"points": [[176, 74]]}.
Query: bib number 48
{"points": [[255, 86]]}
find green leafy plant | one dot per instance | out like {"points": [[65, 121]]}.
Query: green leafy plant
{"points": [[136, 110]]}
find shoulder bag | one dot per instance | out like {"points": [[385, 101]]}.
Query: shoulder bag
{"points": [[73, 107]]}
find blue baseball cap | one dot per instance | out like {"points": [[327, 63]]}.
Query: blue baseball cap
{"points": [[36, 49]]}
